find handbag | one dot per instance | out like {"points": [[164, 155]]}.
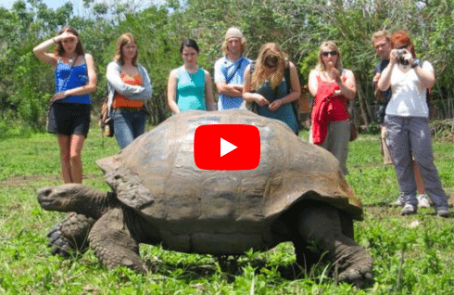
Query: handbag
{"points": [[353, 131], [105, 121]]}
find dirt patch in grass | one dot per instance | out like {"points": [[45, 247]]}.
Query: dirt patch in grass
{"points": [[27, 180]]}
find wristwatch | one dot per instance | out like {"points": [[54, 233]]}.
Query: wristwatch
{"points": [[416, 63]]}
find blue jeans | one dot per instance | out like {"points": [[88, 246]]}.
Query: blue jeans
{"points": [[128, 125]]}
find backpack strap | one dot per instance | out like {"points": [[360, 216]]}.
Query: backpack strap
{"points": [[238, 66], [252, 67], [287, 76]]}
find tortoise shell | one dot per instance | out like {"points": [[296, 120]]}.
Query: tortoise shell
{"points": [[225, 212]]}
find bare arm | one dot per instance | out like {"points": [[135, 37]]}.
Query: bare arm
{"points": [[313, 83], [248, 95], [347, 88], [385, 78], [209, 99], [377, 93], [426, 76], [233, 90], [172, 92], [40, 50]]}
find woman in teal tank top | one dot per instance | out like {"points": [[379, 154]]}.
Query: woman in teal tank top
{"points": [[190, 87], [267, 86]]}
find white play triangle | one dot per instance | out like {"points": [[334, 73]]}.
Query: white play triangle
{"points": [[226, 147]]}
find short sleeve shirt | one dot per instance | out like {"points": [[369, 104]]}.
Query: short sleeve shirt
{"points": [[409, 96], [225, 70], [378, 69]]}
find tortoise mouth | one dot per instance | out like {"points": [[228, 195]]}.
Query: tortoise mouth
{"points": [[44, 199], [48, 204]]}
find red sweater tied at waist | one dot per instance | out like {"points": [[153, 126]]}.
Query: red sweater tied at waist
{"points": [[327, 108]]}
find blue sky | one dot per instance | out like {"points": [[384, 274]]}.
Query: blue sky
{"points": [[54, 4], [78, 4]]}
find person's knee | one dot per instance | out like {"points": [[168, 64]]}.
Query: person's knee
{"points": [[75, 157]]}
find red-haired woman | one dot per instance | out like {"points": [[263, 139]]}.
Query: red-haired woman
{"points": [[69, 116], [407, 123], [129, 88]]}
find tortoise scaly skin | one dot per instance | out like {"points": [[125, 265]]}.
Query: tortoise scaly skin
{"points": [[159, 196]]}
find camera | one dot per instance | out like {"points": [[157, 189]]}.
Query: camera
{"points": [[401, 59]]}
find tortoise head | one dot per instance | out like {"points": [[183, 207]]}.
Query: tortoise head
{"points": [[65, 198]]}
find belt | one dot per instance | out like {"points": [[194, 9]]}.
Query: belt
{"points": [[129, 109]]}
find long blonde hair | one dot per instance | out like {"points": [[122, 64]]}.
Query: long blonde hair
{"points": [[269, 52], [321, 67]]}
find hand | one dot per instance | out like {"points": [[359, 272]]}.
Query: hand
{"points": [[376, 78], [57, 96], [275, 105], [260, 100], [393, 57], [64, 35], [238, 87], [334, 73]]}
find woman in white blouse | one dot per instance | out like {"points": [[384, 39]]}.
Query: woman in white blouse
{"points": [[407, 123]]}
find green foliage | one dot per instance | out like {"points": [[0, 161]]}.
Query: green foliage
{"points": [[298, 25]]}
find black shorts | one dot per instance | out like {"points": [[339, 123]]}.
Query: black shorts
{"points": [[69, 119]]}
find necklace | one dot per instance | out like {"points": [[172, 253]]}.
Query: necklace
{"points": [[71, 59]]}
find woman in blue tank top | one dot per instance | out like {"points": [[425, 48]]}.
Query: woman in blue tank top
{"points": [[190, 87], [69, 116], [267, 87]]}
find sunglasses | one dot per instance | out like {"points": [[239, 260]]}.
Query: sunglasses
{"points": [[332, 52]]}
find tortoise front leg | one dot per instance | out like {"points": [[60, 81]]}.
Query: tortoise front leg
{"points": [[322, 224], [70, 236], [113, 244]]}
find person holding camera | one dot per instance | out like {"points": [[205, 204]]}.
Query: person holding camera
{"points": [[407, 123], [381, 41]]}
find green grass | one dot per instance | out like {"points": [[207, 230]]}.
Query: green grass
{"points": [[413, 255]]}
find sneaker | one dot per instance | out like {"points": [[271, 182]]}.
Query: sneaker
{"points": [[423, 202], [398, 202], [442, 213], [408, 210]]}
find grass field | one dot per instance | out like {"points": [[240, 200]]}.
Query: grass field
{"points": [[413, 254]]}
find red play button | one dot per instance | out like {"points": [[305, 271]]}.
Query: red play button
{"points": [[227, 147]]}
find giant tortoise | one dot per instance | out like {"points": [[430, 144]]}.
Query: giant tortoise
{"points": [[159, 196]]}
